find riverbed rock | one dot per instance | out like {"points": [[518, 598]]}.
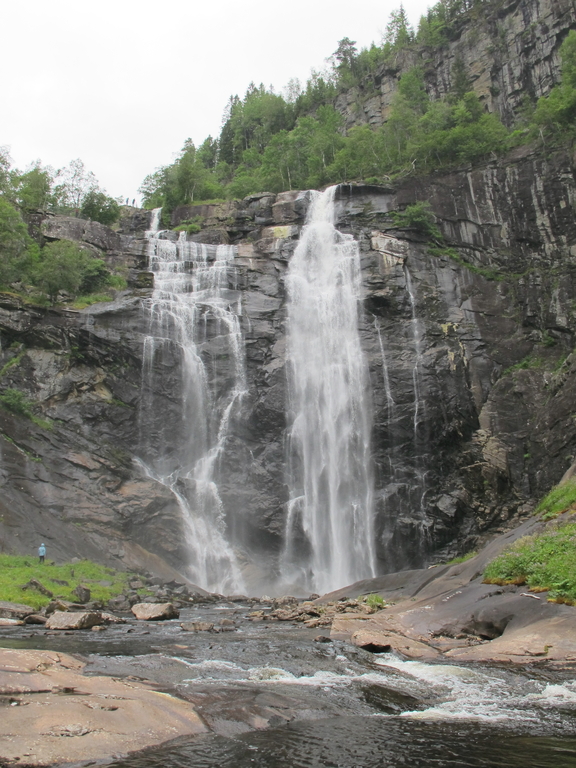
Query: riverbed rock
{"points": [[36, 618], [197, 626], [14, 610], [10, 622], [378, 641], [100, 717], [452, 613], [155, 611], [67, 620]]}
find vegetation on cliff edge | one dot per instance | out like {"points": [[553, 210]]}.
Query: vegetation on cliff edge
{"points": [[544, 561], [270, 142]]}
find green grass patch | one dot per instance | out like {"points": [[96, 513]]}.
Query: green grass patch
{"points": [[12, 363], [544, 562], [560, 499], [191, 229], [462, 558], [94, 298], [529, 362], [118, 282], [452, 253], [375, 601], [17, 570], [16, 402]]}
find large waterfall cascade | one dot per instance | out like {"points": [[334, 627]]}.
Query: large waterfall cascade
{"points": [[329, 530], [191, 309]]}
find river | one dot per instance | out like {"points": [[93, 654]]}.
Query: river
{"points": [[276, 694]]}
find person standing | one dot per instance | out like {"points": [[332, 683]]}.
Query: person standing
{"points": [[41, 553]]}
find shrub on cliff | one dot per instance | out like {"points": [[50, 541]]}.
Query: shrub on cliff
{"points": [[17, 249], [556, 113], [65, 266], [98, 206]]}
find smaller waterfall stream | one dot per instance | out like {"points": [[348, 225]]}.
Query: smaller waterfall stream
{"points": [[329, 531], [191, 313]]}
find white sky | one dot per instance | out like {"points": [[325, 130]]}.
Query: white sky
{"points": [[122, 83]]}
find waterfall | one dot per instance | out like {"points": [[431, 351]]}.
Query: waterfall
{"points": [[195, 345], [420, 442], [329, 530]]}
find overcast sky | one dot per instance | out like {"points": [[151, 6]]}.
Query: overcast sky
{"points": [[121, 84]]}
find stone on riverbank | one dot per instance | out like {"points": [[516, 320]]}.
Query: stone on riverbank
{"points": [[69, 620], [155, 611], [14, 610]]}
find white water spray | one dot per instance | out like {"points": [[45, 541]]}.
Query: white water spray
{"points": [[329, 530], [191, 300]]}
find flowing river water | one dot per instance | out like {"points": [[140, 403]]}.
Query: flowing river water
{"points": [[275, 695]]}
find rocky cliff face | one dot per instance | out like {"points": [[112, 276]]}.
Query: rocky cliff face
{"points": [[470, 351], [509, 54]]}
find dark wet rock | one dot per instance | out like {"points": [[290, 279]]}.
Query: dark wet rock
{"points": [[37, 586], [154, 611], [82, 593], [230, 711], [388, 700]]}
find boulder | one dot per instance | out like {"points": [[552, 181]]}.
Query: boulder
{"points": [[119, 604], [35, 618], [38, 587], [14, 610], [69, 620], [57, 605], [155, 611], [82, 593], [381, 642], [10, 622], [109, 618]]}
